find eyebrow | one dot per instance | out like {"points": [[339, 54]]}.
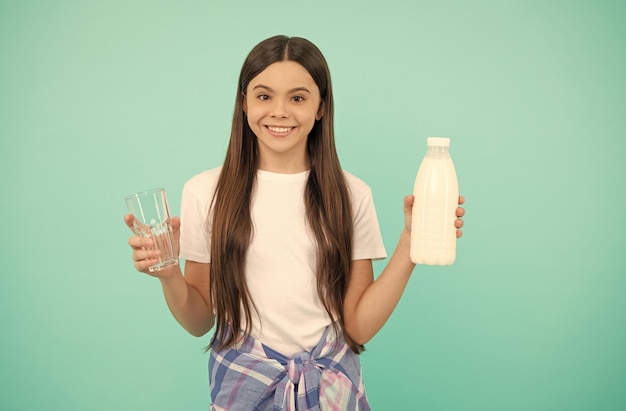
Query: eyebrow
{"points": [[293, 90]]}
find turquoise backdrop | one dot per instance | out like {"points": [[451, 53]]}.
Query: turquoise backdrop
{"points": [[99, 99]]}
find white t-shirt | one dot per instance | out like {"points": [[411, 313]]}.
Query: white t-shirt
{"points": [[281, 258]]}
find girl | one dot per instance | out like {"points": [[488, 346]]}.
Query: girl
{"points": [[278, 246]]}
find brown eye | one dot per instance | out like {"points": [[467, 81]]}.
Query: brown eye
{"points": [[263, 97], [298, 99]]}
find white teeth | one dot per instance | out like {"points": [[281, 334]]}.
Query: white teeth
{"points": [[279, 129]]}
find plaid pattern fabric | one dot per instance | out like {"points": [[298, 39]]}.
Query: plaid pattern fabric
{"points": [[253, 377]]}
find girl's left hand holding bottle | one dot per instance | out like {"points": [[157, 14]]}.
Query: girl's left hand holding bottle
{"points": [[408, 214], [146, 254]]}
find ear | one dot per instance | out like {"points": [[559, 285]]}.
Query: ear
{"points": [[244, 103], [320, 111]]}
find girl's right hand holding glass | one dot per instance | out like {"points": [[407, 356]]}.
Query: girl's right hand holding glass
{"points": [[146, 254]]}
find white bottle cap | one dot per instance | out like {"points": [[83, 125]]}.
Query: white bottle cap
{"points": [[438, 142]]}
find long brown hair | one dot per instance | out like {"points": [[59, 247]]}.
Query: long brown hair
{"points": [[327, 199]]}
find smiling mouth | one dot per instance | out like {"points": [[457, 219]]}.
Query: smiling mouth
{"points": [[279, 130]]}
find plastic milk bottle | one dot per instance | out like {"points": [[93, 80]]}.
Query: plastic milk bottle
{"points": [[436, 191]]}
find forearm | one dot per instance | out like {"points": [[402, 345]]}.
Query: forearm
{"points": [[382, 296], [187, 305]]}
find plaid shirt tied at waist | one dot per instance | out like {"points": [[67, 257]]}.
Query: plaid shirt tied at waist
{"points": [[253, 377]]}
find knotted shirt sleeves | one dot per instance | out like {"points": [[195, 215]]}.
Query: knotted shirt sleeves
{"points": [[254, 377]]}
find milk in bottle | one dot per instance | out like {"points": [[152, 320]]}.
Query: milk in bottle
{"points": [[436, 191]]}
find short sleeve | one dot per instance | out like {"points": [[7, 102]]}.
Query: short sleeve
{"points": [[367, 238], [195, 231]]}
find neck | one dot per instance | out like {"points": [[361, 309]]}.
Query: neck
{"points": [[287, 165]]}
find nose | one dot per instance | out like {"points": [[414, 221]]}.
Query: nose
{"points": [[279, 109]]}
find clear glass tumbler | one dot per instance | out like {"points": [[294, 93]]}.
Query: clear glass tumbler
{"points": [[152, 220]]}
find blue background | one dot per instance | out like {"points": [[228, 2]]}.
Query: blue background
{"points": [[100, 99]]}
